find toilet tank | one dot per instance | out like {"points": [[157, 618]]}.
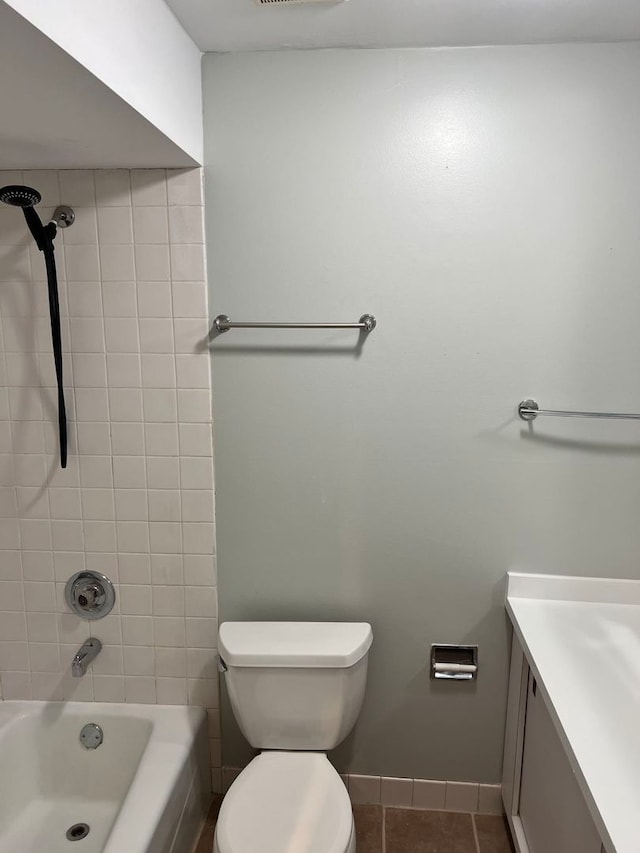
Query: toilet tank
{"points": [[295, 685]]}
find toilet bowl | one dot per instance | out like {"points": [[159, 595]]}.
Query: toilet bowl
{"points": [[296, 689], [286, 802]]}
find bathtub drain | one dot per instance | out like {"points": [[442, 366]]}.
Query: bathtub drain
{"points": [[77, 832]]}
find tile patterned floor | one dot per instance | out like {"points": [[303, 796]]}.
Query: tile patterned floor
{"points": [[387, 830]]}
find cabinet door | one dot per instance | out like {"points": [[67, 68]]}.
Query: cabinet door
{"points": [[554, 815]]}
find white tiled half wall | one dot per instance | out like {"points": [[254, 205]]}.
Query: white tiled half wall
{"points": [[136, 501]]}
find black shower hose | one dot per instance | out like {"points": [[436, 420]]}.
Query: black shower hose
{"points": [[47, 250]]}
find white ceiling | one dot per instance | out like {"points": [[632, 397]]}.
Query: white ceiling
{"points": [[233, 25]]}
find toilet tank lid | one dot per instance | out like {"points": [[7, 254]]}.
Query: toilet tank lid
{"points": [[294, 644]]}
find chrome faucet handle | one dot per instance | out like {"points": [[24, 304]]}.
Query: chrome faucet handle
{"points": [[91, 595]]}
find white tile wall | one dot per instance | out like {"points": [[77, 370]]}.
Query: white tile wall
{"points": [[136, 500]]}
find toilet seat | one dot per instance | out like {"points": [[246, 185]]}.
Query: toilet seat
{"points": [[286, 802]]}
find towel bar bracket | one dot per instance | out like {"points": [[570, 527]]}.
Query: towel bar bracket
{"points": [[528, 410]]}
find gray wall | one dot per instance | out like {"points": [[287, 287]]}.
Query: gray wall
{"points": [[484, 204]]}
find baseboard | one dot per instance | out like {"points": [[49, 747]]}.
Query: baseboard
{"points": [[426, 794]]}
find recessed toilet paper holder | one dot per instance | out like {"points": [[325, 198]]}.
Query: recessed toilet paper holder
{"points": [[454, 663]]}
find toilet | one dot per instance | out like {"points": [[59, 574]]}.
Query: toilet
{"points": [[296, 689]]}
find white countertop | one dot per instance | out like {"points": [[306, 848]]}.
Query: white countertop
{"points": [[581, 637]]}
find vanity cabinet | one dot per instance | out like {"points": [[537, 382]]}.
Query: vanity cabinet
{"points": [[544, 804]]}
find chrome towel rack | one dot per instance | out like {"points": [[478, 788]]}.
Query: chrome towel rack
{"points": [[366, 324], [529, 410]]}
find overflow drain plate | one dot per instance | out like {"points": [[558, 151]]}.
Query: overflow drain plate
{"points": [[78, 831], [91, 736]]}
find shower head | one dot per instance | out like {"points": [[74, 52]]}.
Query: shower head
{"points": [[18, 196], [25, 198]]}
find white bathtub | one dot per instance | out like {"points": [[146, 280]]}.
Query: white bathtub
{"points": [[144, 790]]}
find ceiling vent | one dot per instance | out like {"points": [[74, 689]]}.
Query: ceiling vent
{"points": [[293, 2]]}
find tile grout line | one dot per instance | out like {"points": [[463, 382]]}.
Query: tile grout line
{"points": [[475, 833], [384, 829]]}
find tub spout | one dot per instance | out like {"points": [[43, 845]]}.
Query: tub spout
{"points": [[88, 652]]}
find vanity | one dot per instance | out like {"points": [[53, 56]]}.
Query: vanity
{"points": [[571, 772]]}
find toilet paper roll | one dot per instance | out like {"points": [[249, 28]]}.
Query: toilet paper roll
{"points": [[455, 667]]}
